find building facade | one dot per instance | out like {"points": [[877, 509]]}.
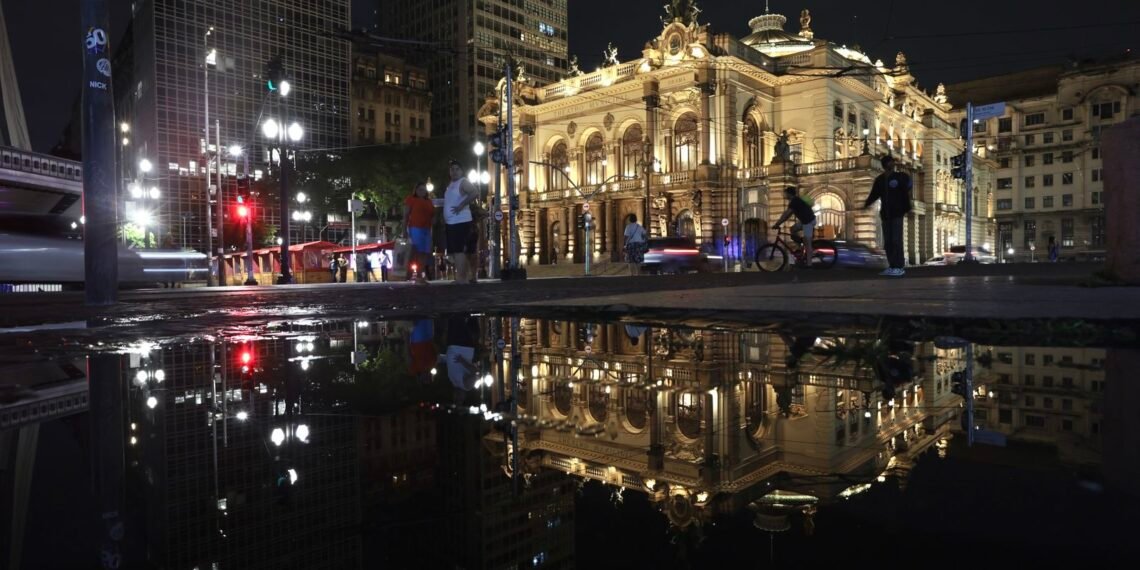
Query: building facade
{"points": [[1049, 182], [391, 100], [174, 46], [703, 131], [470, 42]]}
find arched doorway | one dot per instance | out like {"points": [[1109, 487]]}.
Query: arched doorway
{"points": [[556, 245], [685, 226], [831, 216]]}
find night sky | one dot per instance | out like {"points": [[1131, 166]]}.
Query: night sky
{"points": [[1003, 35]]}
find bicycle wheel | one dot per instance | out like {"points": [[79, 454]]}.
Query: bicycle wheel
{"points": [[771, 257]]}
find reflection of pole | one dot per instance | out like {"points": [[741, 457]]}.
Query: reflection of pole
{"points": [[588, 244], [286, 273], [516, 363], [970, 393], [107, 454], [211, 277], [100, 250]]}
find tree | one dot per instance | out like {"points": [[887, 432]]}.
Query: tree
{"points": [[380, 175]]}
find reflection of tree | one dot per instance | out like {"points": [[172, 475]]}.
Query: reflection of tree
{"points": [[381, 385]]}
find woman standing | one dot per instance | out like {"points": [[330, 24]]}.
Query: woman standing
{"points": [[419, 212], [636, 242]]}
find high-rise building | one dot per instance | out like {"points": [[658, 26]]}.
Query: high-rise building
{"points": [[390, 99], [175, 45], [1050, 179], [474, 40]]}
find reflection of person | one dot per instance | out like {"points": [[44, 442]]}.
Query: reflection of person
{"points": [[893, 189], [422, 354], [418, 215], [460, 353]]}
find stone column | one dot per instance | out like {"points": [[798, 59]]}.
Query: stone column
{"points": [[708, 89], [1120, 146]]}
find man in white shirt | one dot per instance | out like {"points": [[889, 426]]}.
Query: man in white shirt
{"points": [[460, 232]]}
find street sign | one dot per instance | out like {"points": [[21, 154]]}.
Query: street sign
{"points": [[585, 207], [724, 222], [989, 111], [356, 206], [498, 216]]}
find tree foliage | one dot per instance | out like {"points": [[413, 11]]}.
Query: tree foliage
{"points": [[380, 175]]}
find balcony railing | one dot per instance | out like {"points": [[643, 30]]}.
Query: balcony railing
{"points": [[752, 172], [682, 177]]}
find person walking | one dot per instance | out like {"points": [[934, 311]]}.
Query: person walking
{"points": [[460, 227], [334, 266], [342, 268], [419, 212], [636, 242], [892, 189], [805, 219], [1054, 250]]}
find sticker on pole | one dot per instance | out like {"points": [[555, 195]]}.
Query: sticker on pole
{"points": [[498, 216], [724, 222]]}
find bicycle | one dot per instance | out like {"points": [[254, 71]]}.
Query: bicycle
{"points": [[773, 256]]}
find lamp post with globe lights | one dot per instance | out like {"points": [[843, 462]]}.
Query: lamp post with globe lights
{"points": [[274, 130]]}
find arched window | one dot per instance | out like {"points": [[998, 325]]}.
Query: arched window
{"points": [[559, 160], [563, 398], [753, 156], [688, 412], [595, 159], [632, 151], [636, 407], [598, 403], [685, 134]]}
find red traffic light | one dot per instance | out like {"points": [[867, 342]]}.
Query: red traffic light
{"points": [[246, 357], [242, 211]]}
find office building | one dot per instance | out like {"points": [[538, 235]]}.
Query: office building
{"points": [[471, 41]]}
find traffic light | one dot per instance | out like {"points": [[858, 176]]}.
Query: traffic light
{"points": [[497, 139], [958, 166], [275, 76], [581, 221]]}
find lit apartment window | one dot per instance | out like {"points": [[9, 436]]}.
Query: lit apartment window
{"points": [[1004, 183], [1066, 232]]}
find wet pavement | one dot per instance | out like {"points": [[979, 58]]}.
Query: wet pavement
{"points": [[459, 441]]}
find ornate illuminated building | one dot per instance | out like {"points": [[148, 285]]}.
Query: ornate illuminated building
{"points": [[709, 127], [726, 424]]}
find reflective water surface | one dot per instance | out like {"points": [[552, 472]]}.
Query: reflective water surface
{"points": [[480, 442]]}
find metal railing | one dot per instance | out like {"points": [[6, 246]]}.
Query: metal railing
{"points": [[35, 163]]}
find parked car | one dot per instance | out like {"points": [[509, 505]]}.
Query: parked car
{"points": [[675, 255], [849, 254], [957, 253], [937, 260]]}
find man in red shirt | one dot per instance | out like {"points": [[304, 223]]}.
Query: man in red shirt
{"points": [[419, 212]]}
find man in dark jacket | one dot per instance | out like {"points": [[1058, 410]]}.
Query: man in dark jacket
{"points": [[805, 218], [893, 189]]}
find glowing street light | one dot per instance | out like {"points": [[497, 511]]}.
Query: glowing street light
{"points": [[301, 197], [284, 88], [145, 166], [479, 148], [295, 132], [277, 436], [236, 150], [270, 129], [473, 176], [124, 128]]}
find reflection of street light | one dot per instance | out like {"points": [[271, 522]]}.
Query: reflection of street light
{"points": [[154, 193], [151, 402], [473, 176], [301, 197], [242, 416], [270, 129], [430, 186], [302, 433], [485, 177], [295, 132], [284, 88], [124, 128], [277, 436], [145, 166], [479, 148], [235, 150]]}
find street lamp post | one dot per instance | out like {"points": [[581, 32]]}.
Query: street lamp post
{"points": [[211, 56], [282, 134]]}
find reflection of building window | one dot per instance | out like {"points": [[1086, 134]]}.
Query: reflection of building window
{"points": [[689, 414]]}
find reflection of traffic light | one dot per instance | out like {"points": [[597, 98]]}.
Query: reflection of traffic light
{"points": [[274, 73], [585, 334], [958, 384]]}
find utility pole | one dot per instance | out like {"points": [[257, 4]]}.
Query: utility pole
{"points": [[969, 257], [512, 192], [286, 272], [100, 248], [221, 203], [249, 278], [211, 276]]}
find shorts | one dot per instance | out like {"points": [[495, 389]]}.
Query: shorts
{"points": [[461, 238], [421, 239]]}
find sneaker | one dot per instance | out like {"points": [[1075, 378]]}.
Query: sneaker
{"points": [[888, 272], [900, 272]]}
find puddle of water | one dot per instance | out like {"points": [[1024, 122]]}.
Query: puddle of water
{"points": [[417, 444]]}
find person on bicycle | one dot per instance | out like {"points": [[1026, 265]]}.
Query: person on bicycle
{"points": [[805, 219]]}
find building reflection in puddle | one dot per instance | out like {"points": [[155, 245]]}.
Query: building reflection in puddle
{"points": [[335, 444]]}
